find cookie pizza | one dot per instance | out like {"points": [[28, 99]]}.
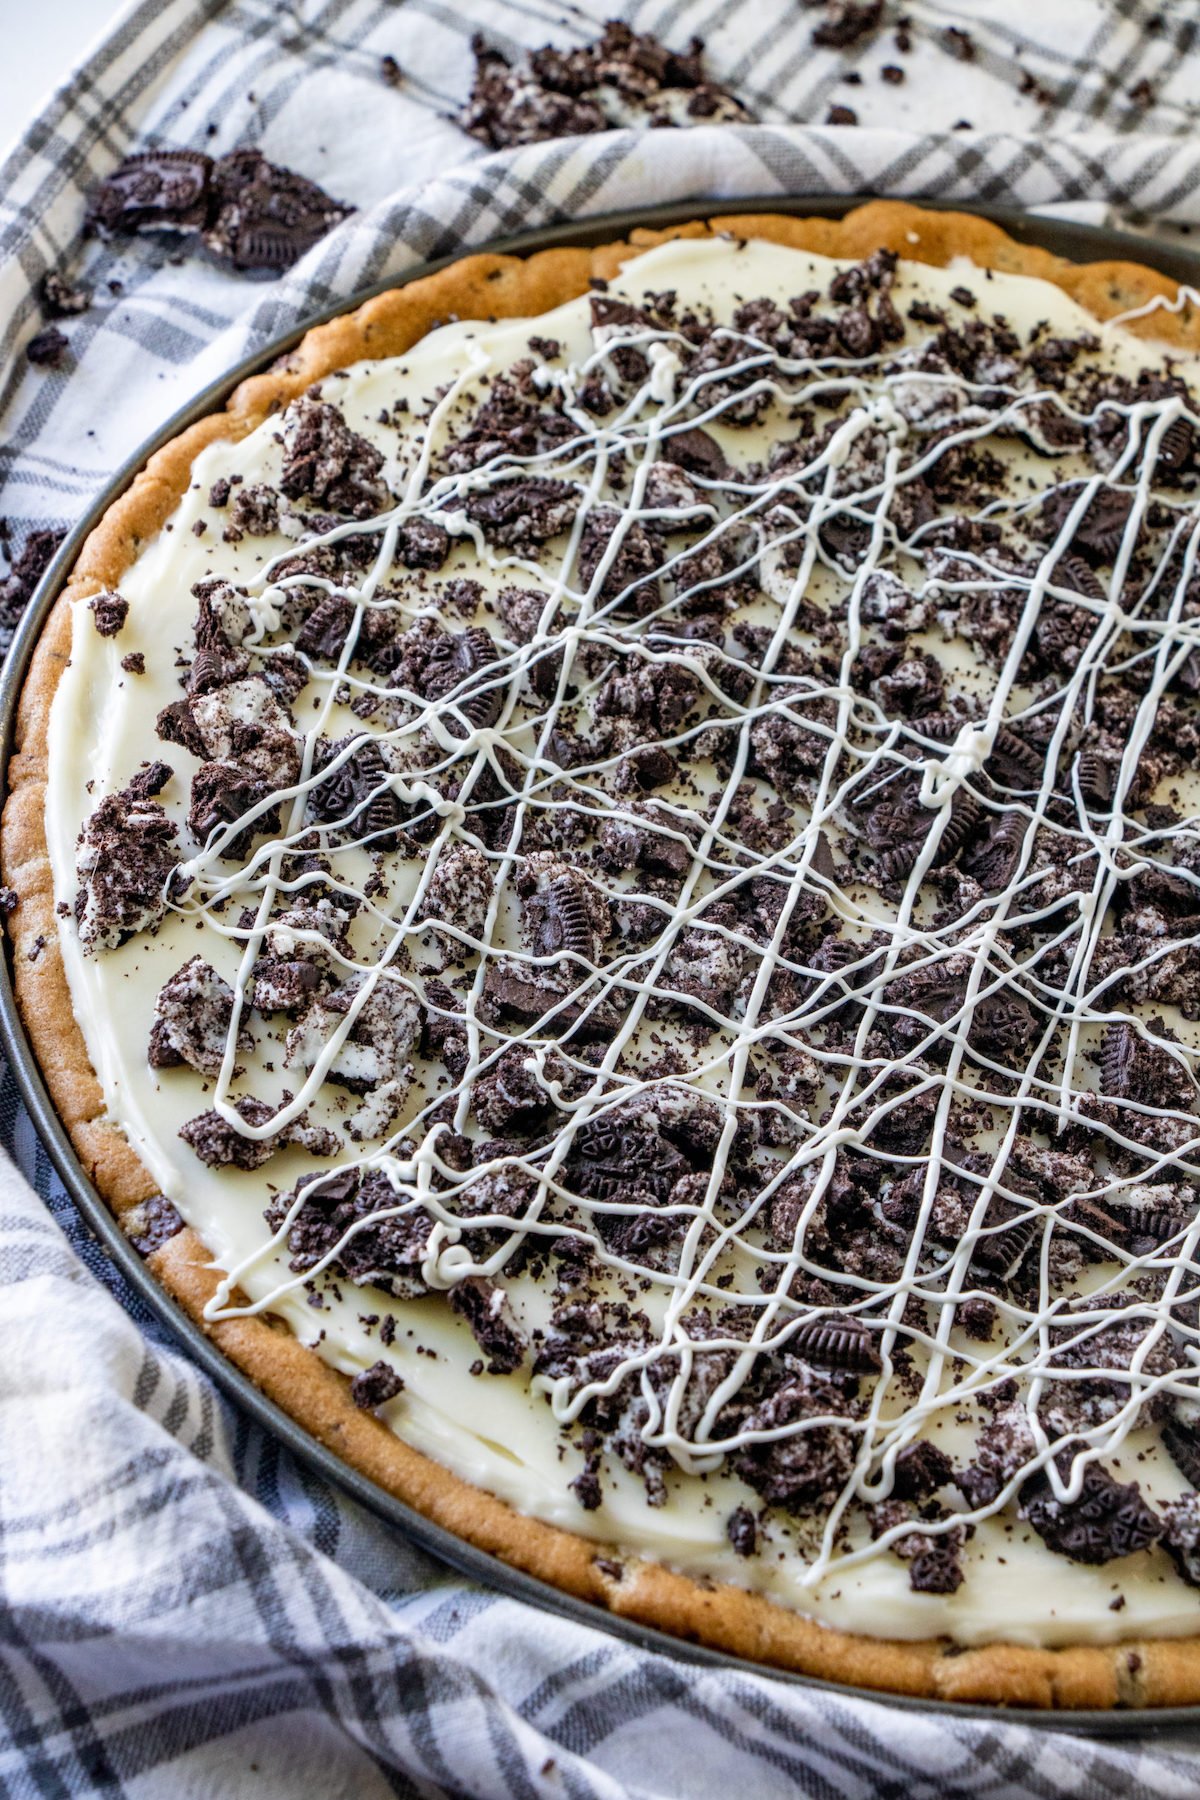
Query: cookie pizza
{"points": [[608, 885]]}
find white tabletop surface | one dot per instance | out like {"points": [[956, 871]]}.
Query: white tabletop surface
{"points": [[42, 44]]}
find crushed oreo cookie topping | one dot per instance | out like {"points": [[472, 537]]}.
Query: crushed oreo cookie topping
{"points": [[625, 78], [694, 823]]}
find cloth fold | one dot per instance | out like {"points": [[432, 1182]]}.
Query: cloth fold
{"points": [[184, 1609]]}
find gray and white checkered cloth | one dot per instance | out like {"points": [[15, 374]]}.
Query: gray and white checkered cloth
{"points": [[184, 1609]]}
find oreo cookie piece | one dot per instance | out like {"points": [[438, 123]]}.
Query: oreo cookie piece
{"points": [[837, 1342], [613, 1157], [47, 348], [485, 1308], [806, 1469], [326, 462], [1176, 448], [220, 1145], [1182, 1444], [846, 21], [936, 1570], [263, 218], [193, 1014], [519, 996], [109, 612], [248, 212], [508, 1098], [1132, 1067], [920, 1469], [376, 1386], [461, 661], [559, 919], [522, 514], [354, 797], [156, 190], [741, 1528], [507, 108], [629, 582], [1109, 1519], [1099, 533], [1181, 1535], [128, 852], [379, 1238], [223, 794], [151, 1224]]}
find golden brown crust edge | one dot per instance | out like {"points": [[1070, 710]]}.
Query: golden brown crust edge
{"points": [[1158, 1672]]}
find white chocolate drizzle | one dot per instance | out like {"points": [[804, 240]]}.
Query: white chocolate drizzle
{"points": [[723, 1256]]}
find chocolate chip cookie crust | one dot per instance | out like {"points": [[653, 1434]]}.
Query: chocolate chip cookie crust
{"points": [[1144, 1673]]}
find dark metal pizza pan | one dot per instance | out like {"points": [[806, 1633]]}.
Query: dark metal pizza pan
{"points": [[1080, 243]]}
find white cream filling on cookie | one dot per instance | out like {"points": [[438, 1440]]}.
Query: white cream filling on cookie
{"points": [[500, 1431]]}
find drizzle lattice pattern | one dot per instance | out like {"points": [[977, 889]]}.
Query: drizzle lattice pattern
{"points": [[953, 997]]}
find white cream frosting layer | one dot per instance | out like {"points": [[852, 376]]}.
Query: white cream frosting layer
{"points": [[497, 1432]]}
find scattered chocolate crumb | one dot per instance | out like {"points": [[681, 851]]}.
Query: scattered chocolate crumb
{"points": [[846, 22], [47, 349], [841, 115], [376, 1386], [59, 299], [390, 72], [741, 1528]]}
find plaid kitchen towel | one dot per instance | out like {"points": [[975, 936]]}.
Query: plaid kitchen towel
{"points": [[185, 1610]]}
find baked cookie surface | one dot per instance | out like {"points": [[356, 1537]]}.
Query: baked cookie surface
{"points": [[652, 938]]}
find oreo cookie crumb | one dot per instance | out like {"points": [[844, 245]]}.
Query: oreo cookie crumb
{"points": [[741, 1528], [569, 92], [47, 349], [846, 22], [376, 1386], [109, 612], [61, 300]]}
